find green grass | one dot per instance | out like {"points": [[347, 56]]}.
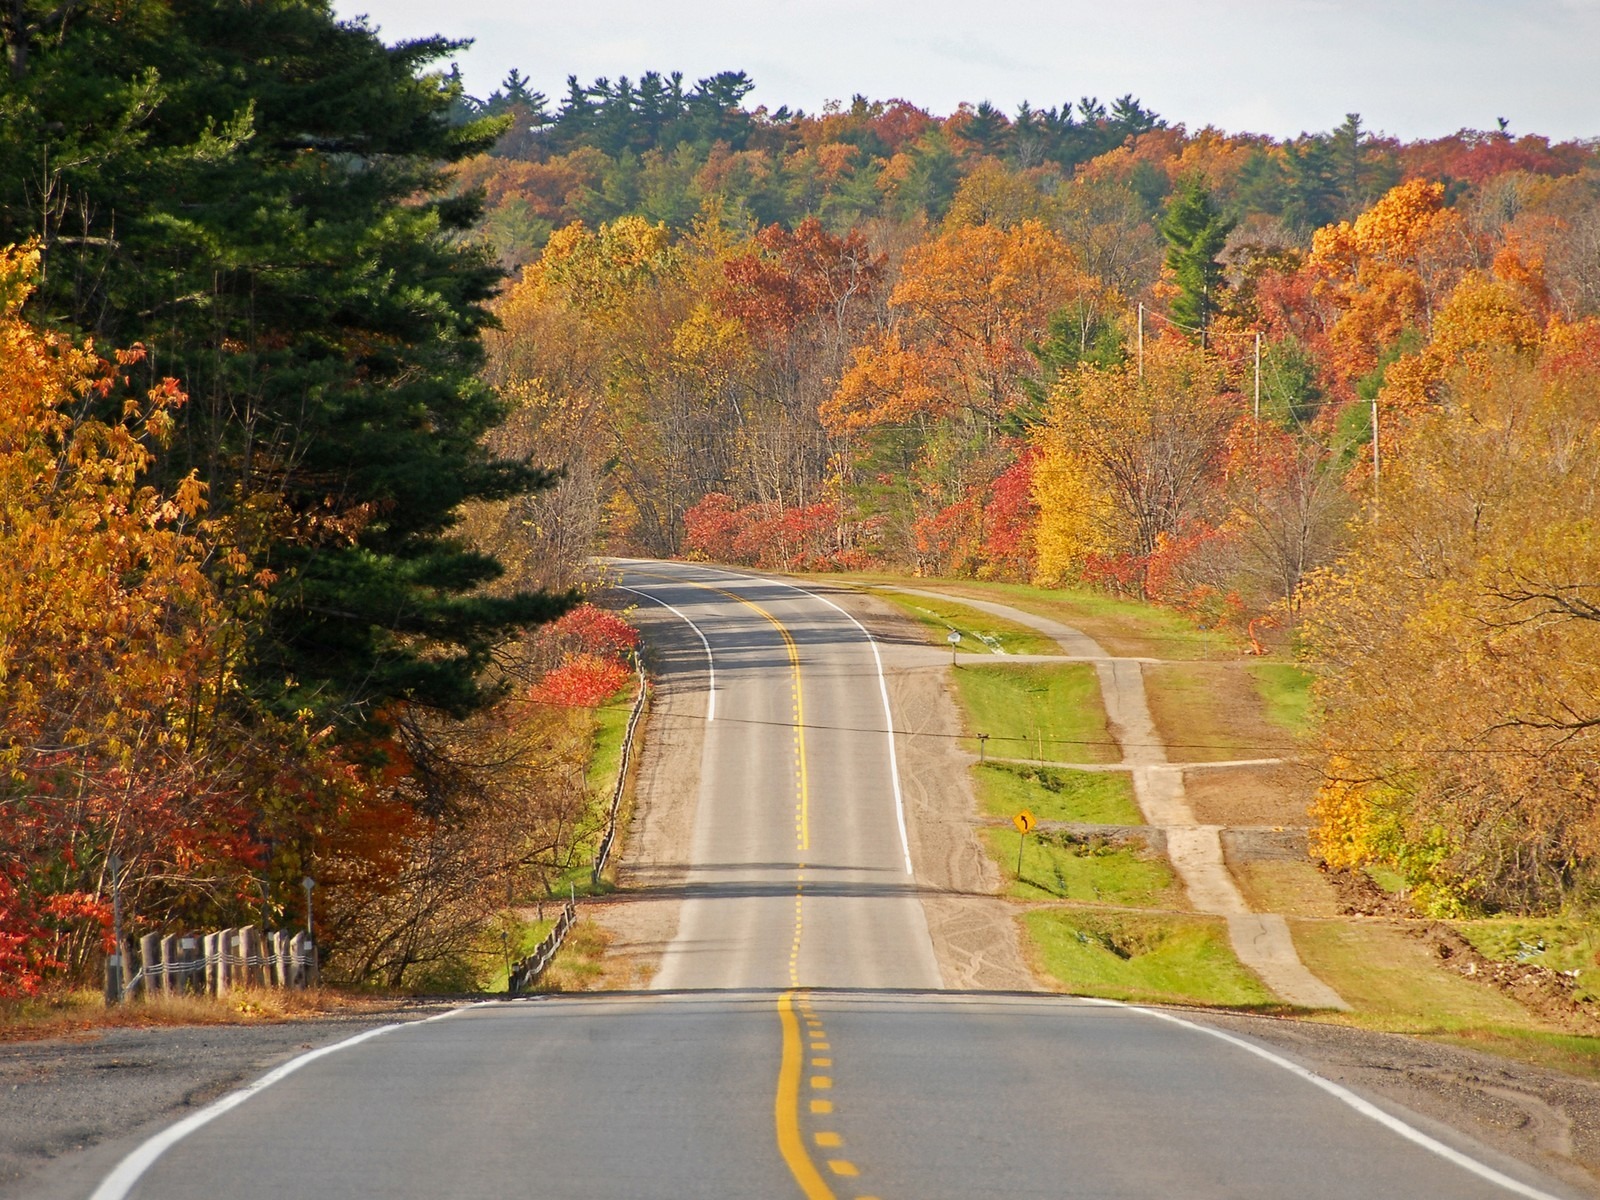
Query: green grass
{"points": [[1122, 626], [1128, 956], [1032, 710], [1395, 982], [1057, 793], [1060, 866], [605, 760], [605, 756], [1562, 944], [1285, 695], [980, 632], [520, 940]]}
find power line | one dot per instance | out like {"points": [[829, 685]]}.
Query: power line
{"points": [[1260, 749]]}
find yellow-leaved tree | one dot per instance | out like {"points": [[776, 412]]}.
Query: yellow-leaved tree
{"points": [[115, 667], [1131, 461], [1457, 643]]}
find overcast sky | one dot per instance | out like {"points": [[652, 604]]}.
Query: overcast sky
{"points": [[1413, 68]]}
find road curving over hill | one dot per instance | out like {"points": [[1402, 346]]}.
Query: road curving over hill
{"points": [[798, 1039]]}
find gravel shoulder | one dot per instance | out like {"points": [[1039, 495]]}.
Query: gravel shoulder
{"points": [[71, 1107], [1544, 1118]]}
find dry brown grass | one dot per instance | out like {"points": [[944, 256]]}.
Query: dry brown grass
{"points": [[80, 1012]]}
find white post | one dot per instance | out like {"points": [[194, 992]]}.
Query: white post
{"points": [[299, 954], [169, 964], [227, 939], [149, 956], [189, 953], [212, 978]]}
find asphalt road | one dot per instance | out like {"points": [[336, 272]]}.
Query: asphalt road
{"points": [[797, 1042]]}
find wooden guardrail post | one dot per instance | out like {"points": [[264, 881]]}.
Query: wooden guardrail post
{"points": [[149, 962], [227, 940], [169, 965], [189, 955]]}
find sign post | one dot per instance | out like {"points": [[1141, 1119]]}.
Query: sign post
{"points": [[1024, 822], [954, 639]]}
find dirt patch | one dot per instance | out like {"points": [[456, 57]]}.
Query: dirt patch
{"points": [[1211, 712], [1359, 896], [1272, 795], [1263, 844]]}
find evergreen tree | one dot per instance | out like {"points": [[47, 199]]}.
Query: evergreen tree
{"points": [[1195, 232], [1313, 196], [987, 129], [252, 189]]}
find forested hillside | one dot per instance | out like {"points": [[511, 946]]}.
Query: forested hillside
{"points": [[1339, 386], [321, 380]]}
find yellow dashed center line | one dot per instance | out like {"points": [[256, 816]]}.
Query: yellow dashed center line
{"points": [[794, 1006]]}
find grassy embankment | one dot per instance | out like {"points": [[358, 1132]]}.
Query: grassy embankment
{"points": [[1078, 887], [578, 963], [1210, 706]]}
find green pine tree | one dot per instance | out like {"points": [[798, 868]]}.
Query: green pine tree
{"points": [[1196, 232], [253, 189]]}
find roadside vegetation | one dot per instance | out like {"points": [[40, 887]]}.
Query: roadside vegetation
{"points": [[1056, 793], [981, 632], [1156, 958], [1076, 886], [1036, 711], [1088, 867]]}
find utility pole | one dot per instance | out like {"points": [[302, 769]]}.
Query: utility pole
{"points": [[1141, 339], [1375, 459], [1258, 376]]}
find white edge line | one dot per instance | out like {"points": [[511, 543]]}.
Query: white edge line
{"points": [[121, 1181], [888, 713], [711, 666], [1365, 1107]]}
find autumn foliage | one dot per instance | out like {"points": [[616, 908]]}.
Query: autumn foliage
{"points": [[114, 665]]}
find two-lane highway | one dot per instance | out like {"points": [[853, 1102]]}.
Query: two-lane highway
{"points": [[795, 1042], [800, 871]]}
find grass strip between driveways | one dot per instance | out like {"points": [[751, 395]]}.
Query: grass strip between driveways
{"points": [[980, 632], [1143, 958], [1057, 865], [1057, 793], [1037, 711]]}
